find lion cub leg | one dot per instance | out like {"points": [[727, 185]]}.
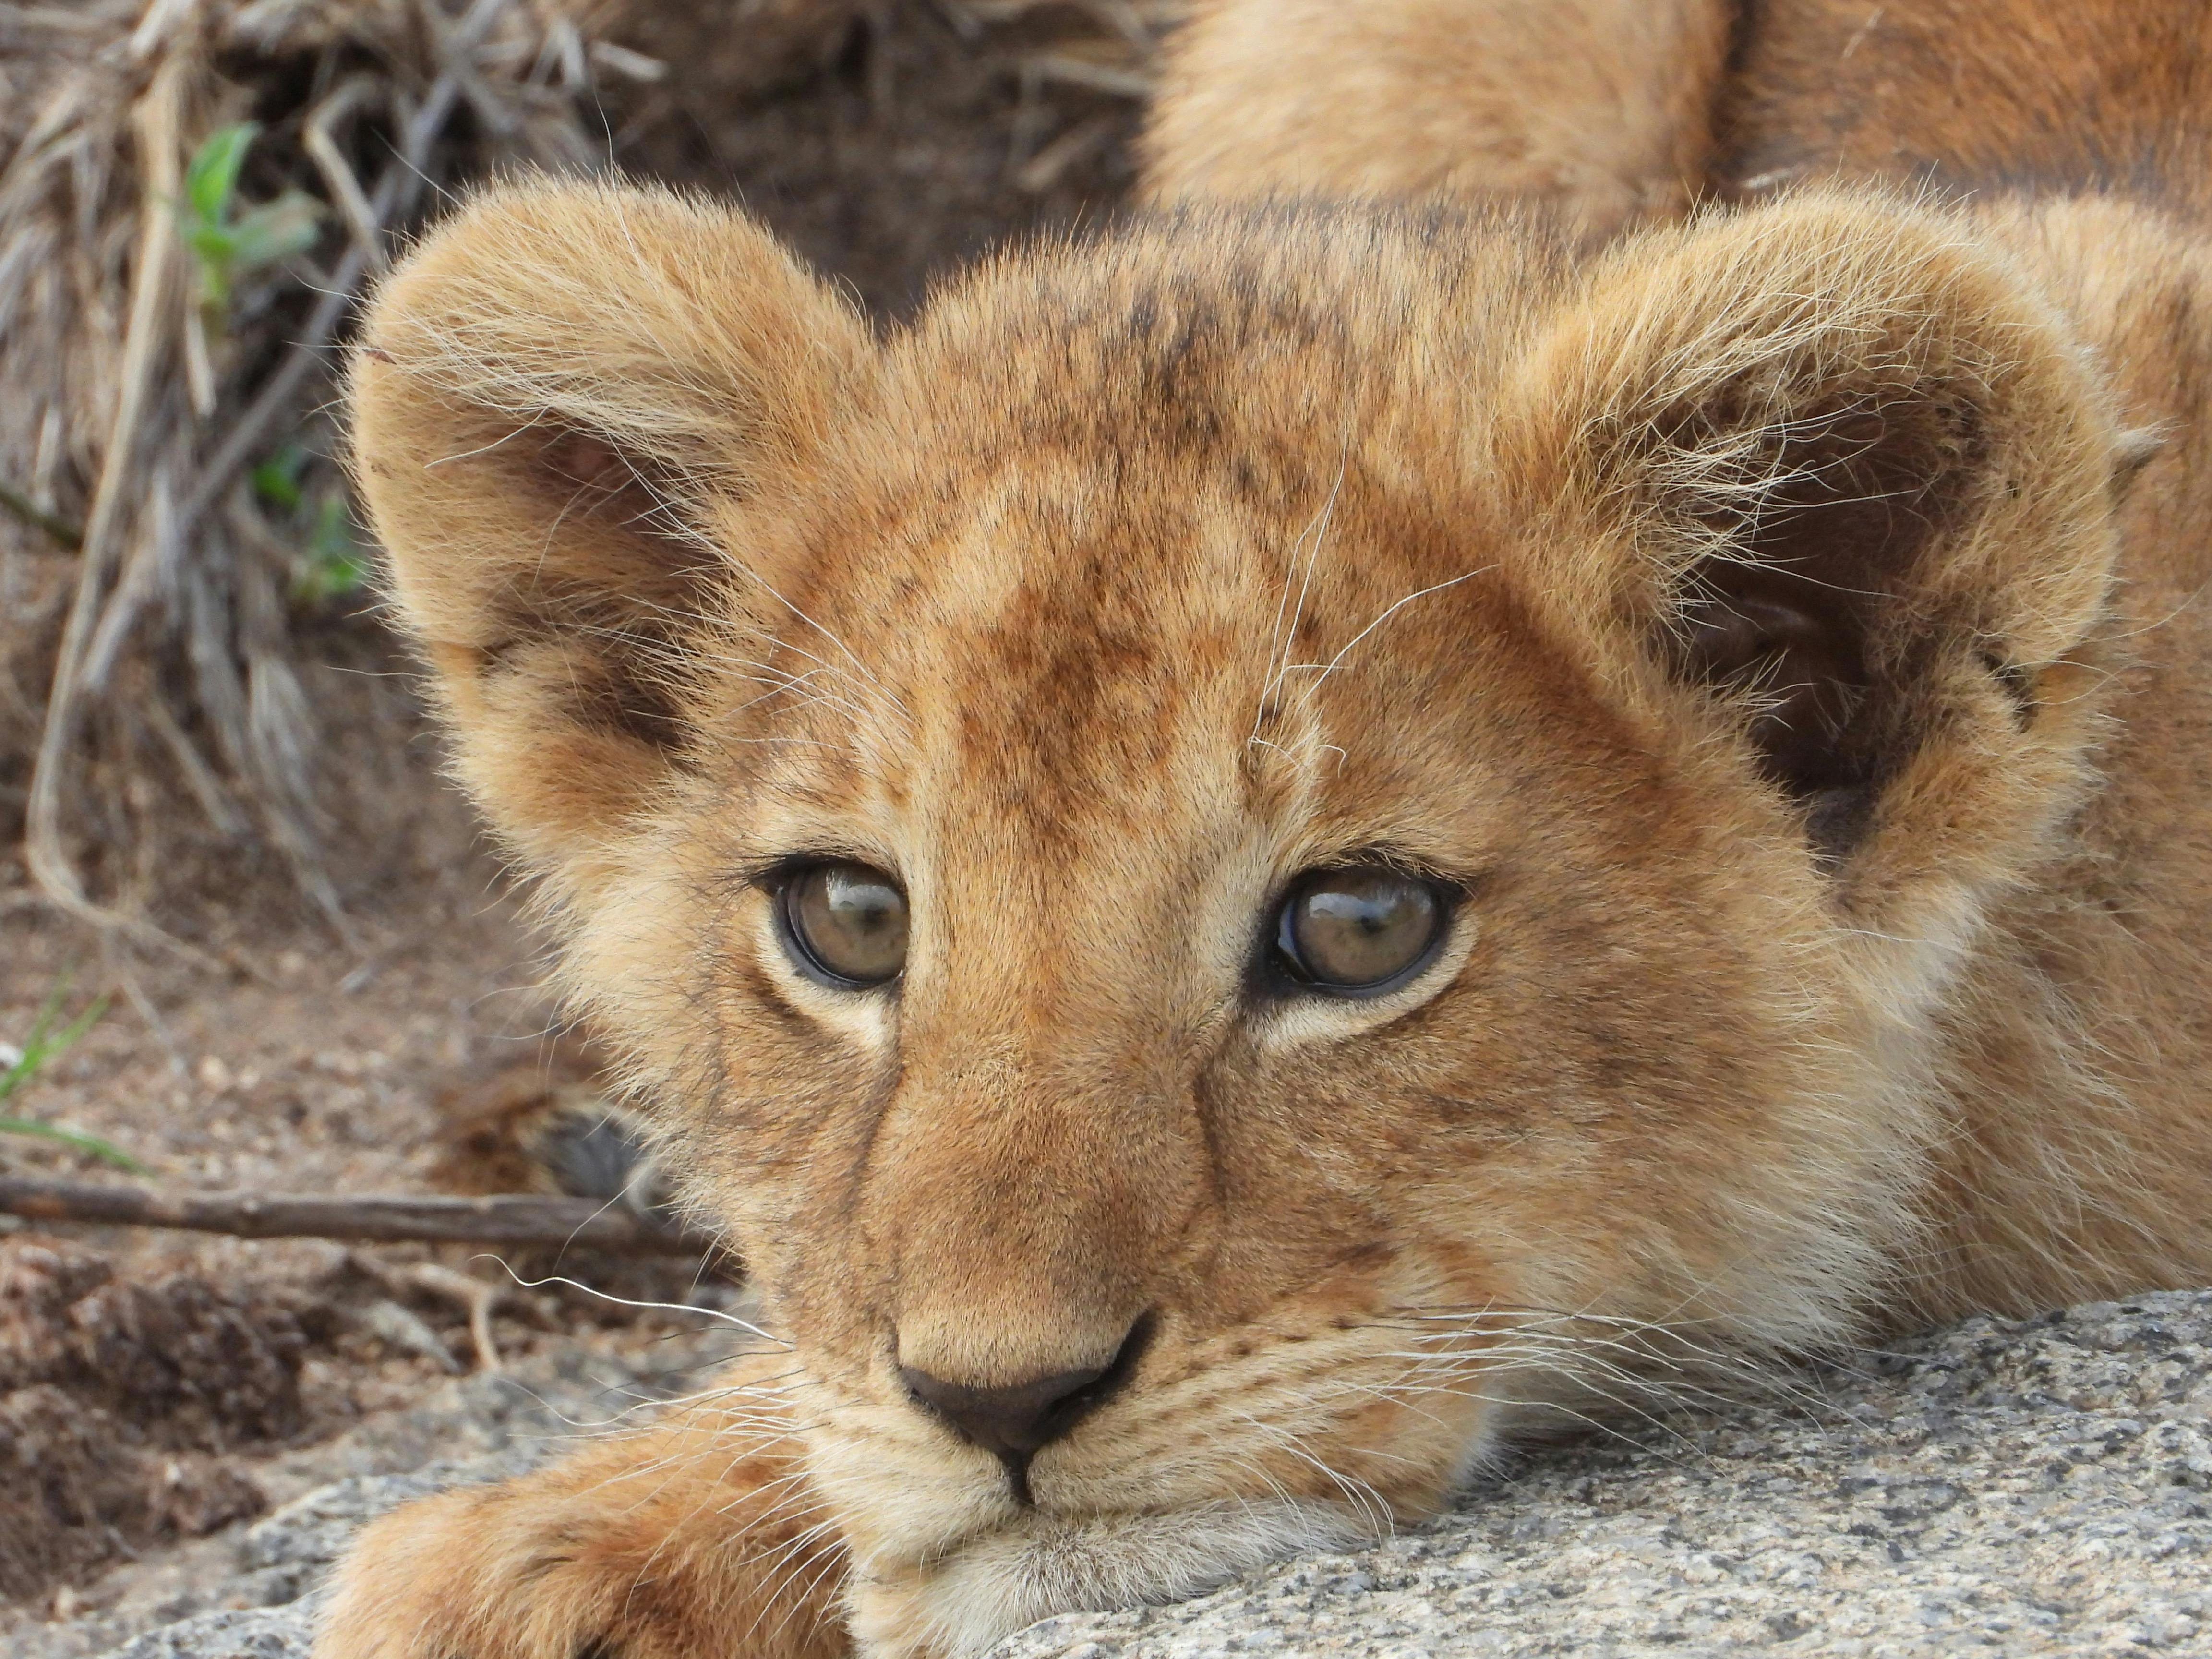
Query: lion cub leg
{"points": [[698, 1536]]}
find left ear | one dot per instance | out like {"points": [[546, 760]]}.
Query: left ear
{"points": [[1848, 481], [581, 412]]}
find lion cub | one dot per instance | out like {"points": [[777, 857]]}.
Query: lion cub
{"points": [[1271, 846]]}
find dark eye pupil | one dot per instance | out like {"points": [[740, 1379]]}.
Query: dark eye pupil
{"points": [[848, 921], [1352, 929]]}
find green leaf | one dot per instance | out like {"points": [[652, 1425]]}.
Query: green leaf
{"points": [[224, 245], [212, 243], [277, 480], [275, 231], [39, 1047], [105, 1151], [211, 176], [40, 1044]]}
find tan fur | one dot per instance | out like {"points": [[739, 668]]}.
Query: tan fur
{"points": [[1613, 113], [1600, 107], [1138, 576]]}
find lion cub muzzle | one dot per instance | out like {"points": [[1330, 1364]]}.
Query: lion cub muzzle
{"points": [[1025, 1272], [1014, 1422]]}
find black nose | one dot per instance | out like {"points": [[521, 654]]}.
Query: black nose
{"points": [[1020, 1419], [1012, 1421]]}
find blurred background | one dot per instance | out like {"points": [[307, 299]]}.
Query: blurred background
{"points": [[248, 940]]}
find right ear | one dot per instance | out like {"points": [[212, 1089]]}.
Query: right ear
{"points": [[1832, 467], [568, 405]]}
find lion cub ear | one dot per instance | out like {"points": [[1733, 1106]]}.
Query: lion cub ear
{"points": [[1847, 479], [568, 405]]}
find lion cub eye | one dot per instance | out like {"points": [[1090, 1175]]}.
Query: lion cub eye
{"points": [[1358, 930], [845, 924]]}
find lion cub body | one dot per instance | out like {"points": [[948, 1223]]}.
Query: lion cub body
{"points": [[1618, 112], [1777, 632]]}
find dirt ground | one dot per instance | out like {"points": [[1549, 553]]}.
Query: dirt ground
{"points": [[156, 1386], [918, 148], [159, 1387]]}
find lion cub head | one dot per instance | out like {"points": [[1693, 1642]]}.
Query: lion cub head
{"points": [[1262, 846]]}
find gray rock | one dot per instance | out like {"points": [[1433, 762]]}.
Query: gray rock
{"points": [[284, 1555], [2038, 1487], [2007, 1488], [262, 1633]]}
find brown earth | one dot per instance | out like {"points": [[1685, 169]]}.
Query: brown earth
{"points": [[153, 1385]]}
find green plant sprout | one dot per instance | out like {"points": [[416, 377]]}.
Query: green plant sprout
{"points": [[277, 480], [331, 564], [43, 1043], [227, 242]]}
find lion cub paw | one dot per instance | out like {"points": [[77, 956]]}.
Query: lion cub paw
{"points": [[623, 1554]]}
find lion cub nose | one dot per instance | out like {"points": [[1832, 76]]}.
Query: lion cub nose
{"points": [[1014, 1421]]}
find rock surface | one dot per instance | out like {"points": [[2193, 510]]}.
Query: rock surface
{"points": [[2029, 1488], [2006, 1488]]}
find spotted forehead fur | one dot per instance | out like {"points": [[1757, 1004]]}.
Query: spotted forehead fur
{"points": [[1215, 466]]}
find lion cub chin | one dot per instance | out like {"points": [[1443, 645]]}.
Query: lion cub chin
{"points": [[1268, 850]]}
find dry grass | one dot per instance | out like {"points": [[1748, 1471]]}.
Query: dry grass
{"points": [[171, 523], [149, 593]]}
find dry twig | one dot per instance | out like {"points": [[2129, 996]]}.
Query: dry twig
{"points": [[555, 1223], [477, 1298]]}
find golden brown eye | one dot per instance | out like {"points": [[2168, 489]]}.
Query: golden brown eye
{"points": [[845, 924], [1358, 929]]}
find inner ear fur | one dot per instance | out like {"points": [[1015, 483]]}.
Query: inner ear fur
{"points": [[567, 404], [1847, 479]]}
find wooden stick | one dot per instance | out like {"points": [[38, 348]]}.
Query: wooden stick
{"points": [[585, 1223], [66, 536]]}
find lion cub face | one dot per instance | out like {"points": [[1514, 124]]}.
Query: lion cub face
{"points": [[1257, 849]]}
